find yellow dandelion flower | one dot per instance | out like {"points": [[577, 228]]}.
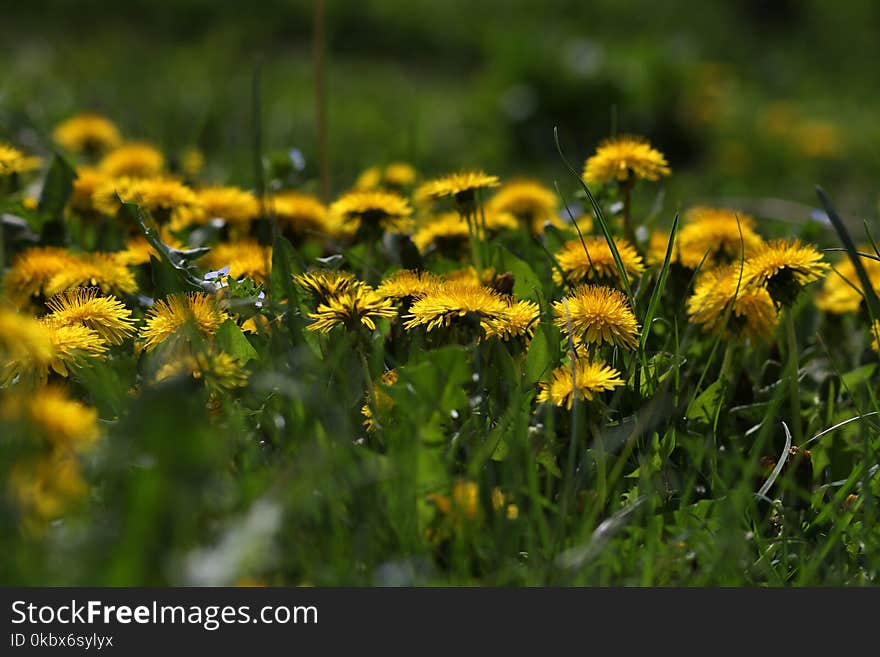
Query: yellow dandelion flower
{"points": [[63, 422], [14, 161], [233, 205], [324, 284], [71, 345], [87, 133], [587, 380], [162, 197], [448, 233], [369, 178], [88, 181], [531, 202], [137, 251], [352, 308], [372, 210], [192, 161], [47, 487], [25, 345], [105, 315], [407, 283], [714, 234], [301, 214], [104, 196], [92, 270], [596, 262], [462, 186], [753, 313], [783, 267], [243, 257], [462, 505], [168, 316], [33, 269], [518, 320], [623, 158], [596, 315], [399, 174], [381, 401], [219, 370], [460, 304], [842, 290], [133, 160], [470, 276]]}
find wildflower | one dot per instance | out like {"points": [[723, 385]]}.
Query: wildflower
{"points": [[219, 370], [168, 316], [47, 487], [399, 175], [448, 233], [107, 192], [596, 262], [25, 345], [716, 234], [842, 290], [462, 186], [597, 314], [373, 211], [92, 270], [352, 308], [88, 180], [301, 214], [458, 304], [105, 315], [464, 503], [61, 421], [407, 284], [13, 161], [518, 320], [87, 133], [369, 178], [162, 197], [324, 284], [625, 157], [380, 400], [71, 345], [752, 313], [134, 160], [583, 381], [243, 257], [233, 205], [192, 161], [501, 502], [33, 269], [783, 268], [532, 203]]}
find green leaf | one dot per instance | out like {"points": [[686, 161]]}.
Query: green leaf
{"points": [[703, 406], [526, 284], [231, 340], [539, 359], [285, 263], [859, 375]]}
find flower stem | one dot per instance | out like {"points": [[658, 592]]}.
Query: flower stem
{"points": [[793, 384], [626, 192]]}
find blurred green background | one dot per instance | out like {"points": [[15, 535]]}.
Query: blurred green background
{"points": [[748, 99]]}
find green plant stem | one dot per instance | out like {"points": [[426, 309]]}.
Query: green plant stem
{"points": [[793, 383], [626, 192]]}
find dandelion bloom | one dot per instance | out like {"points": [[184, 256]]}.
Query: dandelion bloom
{"points": [[46, 487], [87, 133], [63, 422], [133, 159], [92, 270], [519, 319], [587, 380], [623, 158], [33, 269], [105, 315], [72, 344], [243, 257], [842, 290], [25, 345], [369, 178], [596, 262], [719, 291], [374, 210], [531, 202], [88, 180], [168, 316], [162, 197], [457, 303], [13, 161], [407, 283], [717, 235], [301, 214], [448, 233], [462, 186], [783, 267], [219, 370], [399, 174], [597, 314], [323, 284], [462, 505], [233, 205], [107, 192], [352, 308]]}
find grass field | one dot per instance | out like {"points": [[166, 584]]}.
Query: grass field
{"points": [[509, 345]]}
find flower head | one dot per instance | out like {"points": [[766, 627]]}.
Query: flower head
{"points": [[87, 133], [72, 344], [87, 182], [13, 161], [323, 284], [25, 345], [243, 257], [373, 210], [448, 233], [752, 313], [597, 314], [623, 158], [234, 205], [583, 381], [718, 235], [531, 202], [596, 262], [301, 214], [458, 304], [168, 316], [134, 160], [842, 291], [519, 319], [783, 268], [352, 308], [462, 186], [61, 421], [407, 283], [162, 197], [105, 315]]}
